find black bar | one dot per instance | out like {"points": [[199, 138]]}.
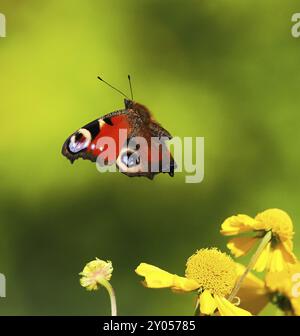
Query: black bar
{"points": [[94, 325]]}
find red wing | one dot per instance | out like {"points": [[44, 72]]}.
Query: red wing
{"points": [[86, 142], [146, 154], [116, 129]]}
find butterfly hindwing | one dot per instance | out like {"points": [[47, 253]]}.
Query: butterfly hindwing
{"points": [[146, 152]]}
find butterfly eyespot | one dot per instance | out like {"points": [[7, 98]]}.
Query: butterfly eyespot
{"points": [[78, 136], [130, 159], [79, 141]]}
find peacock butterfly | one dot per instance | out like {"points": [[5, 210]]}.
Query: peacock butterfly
{"points": [[140, 141]]}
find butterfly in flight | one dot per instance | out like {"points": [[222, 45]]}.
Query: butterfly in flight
{"points": [[139, 141]]}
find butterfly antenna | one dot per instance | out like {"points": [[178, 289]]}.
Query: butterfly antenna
{"points": [[130, 85], [102, 80]]}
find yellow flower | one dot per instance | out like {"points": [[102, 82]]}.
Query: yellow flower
{"points": [[284, 288], [280, 288], [209, 271], [278, 253], [98, 273], [95, 273]]}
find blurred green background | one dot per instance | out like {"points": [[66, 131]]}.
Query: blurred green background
{"points": [[225, 70]]}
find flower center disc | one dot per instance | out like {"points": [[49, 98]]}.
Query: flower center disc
{"points": [[213, 270]]}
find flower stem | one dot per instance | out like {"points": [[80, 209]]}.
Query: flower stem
{"points": [[197, 308], [266, 239], [112, 296]]}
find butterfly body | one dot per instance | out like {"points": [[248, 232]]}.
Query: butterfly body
{"points": [[132, 159]]}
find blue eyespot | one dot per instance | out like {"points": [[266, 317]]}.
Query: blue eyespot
{"points": [[130, 159], [78, 142]]}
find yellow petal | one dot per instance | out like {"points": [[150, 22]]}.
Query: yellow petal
{"points": [[286, 248], [276, 263], [283, 281], [279, 282], [253, 294], [184, 284], [241, 245], [207, 303], [281, 257], [154, 276], [296, 306], [158, 278], [288, 244], [226, 308], [237, 224], [263, 259]]}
